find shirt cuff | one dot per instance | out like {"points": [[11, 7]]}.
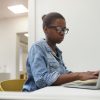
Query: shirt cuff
{"points": [[53, 77]]}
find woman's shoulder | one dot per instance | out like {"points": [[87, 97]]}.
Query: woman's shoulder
{"points": [[38, 45]]}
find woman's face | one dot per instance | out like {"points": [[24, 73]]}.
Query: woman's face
{"points": [[55, 32]]}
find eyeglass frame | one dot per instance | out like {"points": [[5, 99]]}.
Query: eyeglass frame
{"points": [[59, 29]]}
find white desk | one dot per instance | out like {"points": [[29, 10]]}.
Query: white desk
{"points": [[53, 93]]}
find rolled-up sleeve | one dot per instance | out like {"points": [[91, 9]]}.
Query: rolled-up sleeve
{"points": [[40, 72]]}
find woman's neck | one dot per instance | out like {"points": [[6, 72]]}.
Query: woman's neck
{"points": [[52, 45]]}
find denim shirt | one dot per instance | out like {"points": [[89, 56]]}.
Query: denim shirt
{"points": [[43, 67]]}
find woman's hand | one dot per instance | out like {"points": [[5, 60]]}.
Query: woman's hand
{"points": [[88, 75]]}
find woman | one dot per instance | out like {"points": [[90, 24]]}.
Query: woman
{"points": [[45, 66]]}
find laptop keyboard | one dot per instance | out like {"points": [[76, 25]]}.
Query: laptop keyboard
{"points": [[88, 84], [83, 83]]}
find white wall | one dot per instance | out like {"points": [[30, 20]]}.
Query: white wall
{"points": [[32, 22], [81, 47], [8, 30]]}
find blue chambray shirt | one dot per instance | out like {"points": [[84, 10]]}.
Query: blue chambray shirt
{"points": [[43, 67]]}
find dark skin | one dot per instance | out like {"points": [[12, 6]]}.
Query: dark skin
{"points": [[53, 37]]}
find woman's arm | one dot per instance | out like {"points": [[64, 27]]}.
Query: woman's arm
{"points": [[65, 78]]}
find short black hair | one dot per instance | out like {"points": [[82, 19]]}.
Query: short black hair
{"points": [[50, 17]]}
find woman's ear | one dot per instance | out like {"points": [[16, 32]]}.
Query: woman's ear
{"points": [[45, 29]]}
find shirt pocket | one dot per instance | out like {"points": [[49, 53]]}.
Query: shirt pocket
{"points": [[53, 65]]}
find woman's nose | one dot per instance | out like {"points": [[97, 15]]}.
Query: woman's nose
{"points": [[62, 33]]}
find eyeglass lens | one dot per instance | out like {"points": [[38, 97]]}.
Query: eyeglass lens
{"points": [[64, 29], [60, 29]]}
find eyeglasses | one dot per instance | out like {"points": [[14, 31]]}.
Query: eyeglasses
{"points": [[59, 29]]}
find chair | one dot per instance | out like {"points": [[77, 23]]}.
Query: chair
{"points": [[1, 88], [12, 85]]}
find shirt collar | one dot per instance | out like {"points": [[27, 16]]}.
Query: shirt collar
{"points": [[49, 49]]}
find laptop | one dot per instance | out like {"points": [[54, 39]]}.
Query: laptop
{"points": [[93, 84]]}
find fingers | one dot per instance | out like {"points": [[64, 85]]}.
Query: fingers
{"points": [[95, 77], [96, 73]]}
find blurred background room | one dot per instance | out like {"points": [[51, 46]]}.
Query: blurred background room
{"points": [[13, 39]]}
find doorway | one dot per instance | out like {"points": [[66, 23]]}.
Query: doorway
{"points": [[21, 54]]}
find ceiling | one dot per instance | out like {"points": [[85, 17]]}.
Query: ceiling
{"points": [[5, 13]]}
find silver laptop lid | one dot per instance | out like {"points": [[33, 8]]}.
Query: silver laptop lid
{"points": [[98, 81]]}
